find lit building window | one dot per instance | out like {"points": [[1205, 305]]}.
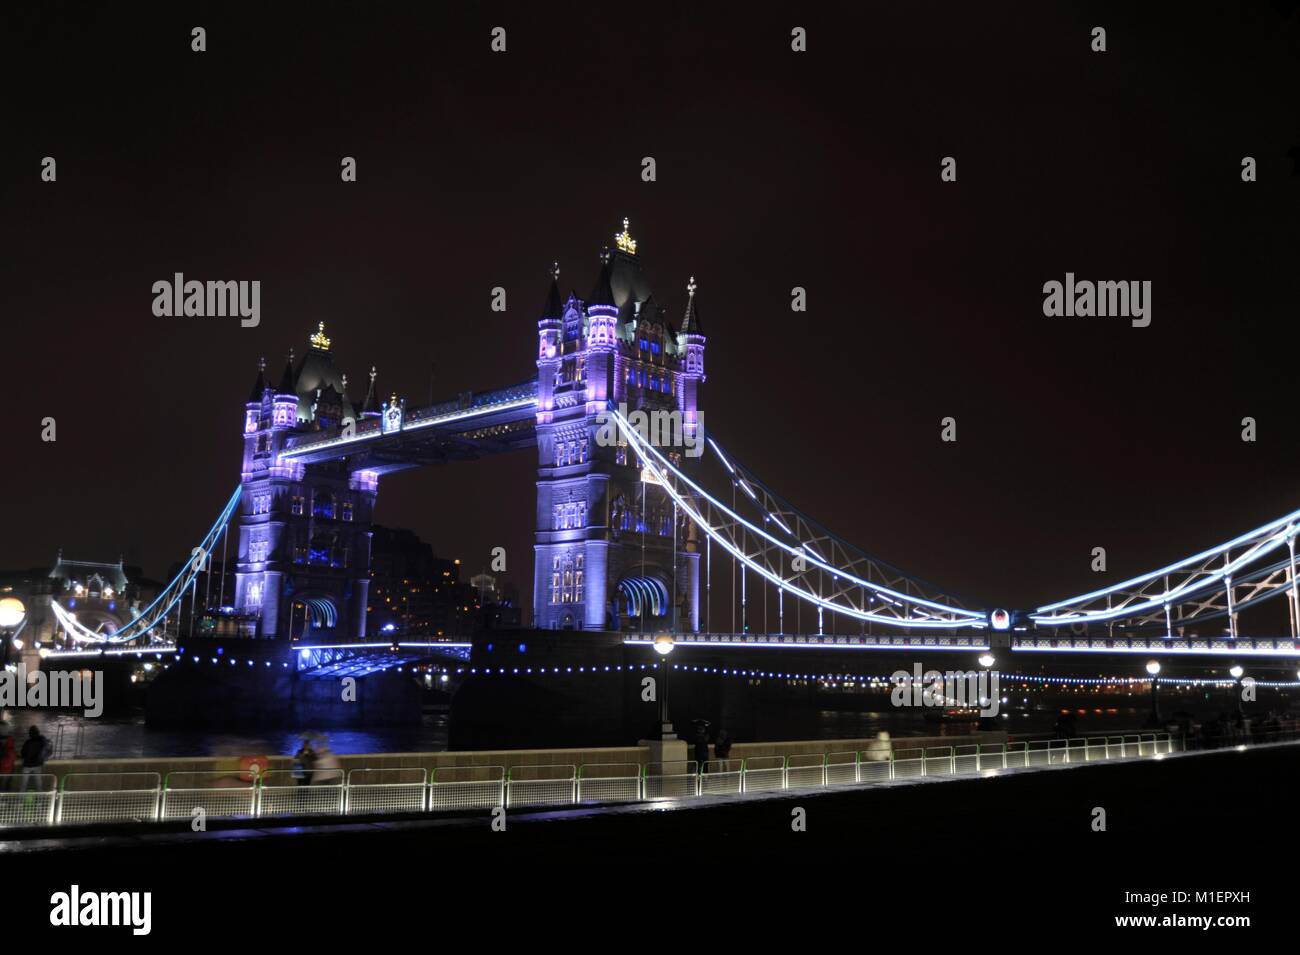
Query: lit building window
{"points": [[295, 505], [347, 510]]}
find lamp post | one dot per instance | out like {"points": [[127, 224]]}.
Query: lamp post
{"points": [[1153, 668], [1236, 672], [663, 645]]}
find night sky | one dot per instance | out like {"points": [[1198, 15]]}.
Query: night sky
{"points": [[775, 169]]}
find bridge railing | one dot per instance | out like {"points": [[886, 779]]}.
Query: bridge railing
{"points": [[806, 769], [551, 785], [109, 797], [33, 801], [386, 790], [319, 793], [722, 777], [674, 779], [27, 800], [220, 795], [842, 769], [467, 787], [763, 773], [609, 782]]}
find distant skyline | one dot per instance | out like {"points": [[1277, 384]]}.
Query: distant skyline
{"points": [[775, 169]]}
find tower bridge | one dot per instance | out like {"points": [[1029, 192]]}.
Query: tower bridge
{"points": [[628, 532]]}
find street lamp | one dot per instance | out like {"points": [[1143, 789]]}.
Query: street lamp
{"points": [[1153, 668], [12, 614], [663, 644], [1236, 672]]}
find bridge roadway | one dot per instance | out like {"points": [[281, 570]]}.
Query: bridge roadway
{"points": [[361, 657], [474, 424]]}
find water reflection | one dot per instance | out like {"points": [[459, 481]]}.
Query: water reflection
{"points": [[127, 737]]}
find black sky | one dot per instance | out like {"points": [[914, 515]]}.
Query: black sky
{"points": [[775, 169]]}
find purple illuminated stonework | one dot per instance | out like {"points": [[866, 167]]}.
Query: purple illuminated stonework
{"points": [[611, 550]]}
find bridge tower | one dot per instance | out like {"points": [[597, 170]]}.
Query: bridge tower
{"points": [[611, 551], [304, 530]]}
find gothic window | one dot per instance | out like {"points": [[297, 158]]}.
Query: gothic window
{"points": [[620, 455], [263, 443], [555, 580], [582, 452], [253, 597], [567, 595], [324, 505], [559, 453], [577, 579], [347, 510], [257, 551], [295, 505]]}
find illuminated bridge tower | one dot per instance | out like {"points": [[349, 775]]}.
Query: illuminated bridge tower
{"points": [[611, 550], [304, 530]]}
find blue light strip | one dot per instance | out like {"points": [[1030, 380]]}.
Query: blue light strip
{"points": [[184, 577]]}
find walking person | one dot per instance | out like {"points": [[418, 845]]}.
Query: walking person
{"points": [[326, 767], [35, 752], [303, 760], [8, 757], [701, 743]]}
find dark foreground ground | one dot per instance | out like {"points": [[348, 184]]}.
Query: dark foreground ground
{"points": [[956, 862]]}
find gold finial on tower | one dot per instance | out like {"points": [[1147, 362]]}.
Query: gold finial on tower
{"points": [[624, 240], [320, 339], [690, 287], [555, 271]]}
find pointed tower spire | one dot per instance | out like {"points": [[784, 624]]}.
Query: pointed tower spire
{"points": [[691, 320], [259, 386], [554, 308], [286, 386], [371, 406], [604, 291]]}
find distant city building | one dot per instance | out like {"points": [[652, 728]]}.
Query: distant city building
{"points": [[102, 597], [414, 593], [486, 587]]}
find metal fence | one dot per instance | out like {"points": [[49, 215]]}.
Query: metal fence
{"points": [[113, 797], [762, 773], [27, 800], [109, 797], [219, 795], [321, 793], [542, 785], [722, 777], [609, 782], [386, 790], [671, 780], [467, 787]]}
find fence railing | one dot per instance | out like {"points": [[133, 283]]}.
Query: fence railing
{"points": [[36, 800]]}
